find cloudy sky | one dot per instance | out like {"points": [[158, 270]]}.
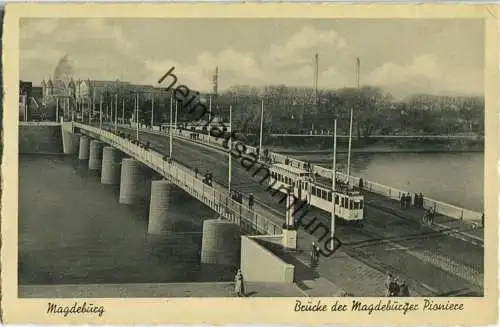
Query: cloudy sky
{"points": [[402, 56]]}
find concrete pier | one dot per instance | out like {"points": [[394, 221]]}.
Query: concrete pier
{"points": [[84, 149], [221, 243], [69, 141], [162, 192], [130, 180], [111, 166], [95, 156]]}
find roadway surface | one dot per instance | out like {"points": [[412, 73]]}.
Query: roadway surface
{"points": [[431, 262]]}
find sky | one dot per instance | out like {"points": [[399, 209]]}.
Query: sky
{"points": [[403, 56]]}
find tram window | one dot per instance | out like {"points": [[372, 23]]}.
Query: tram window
{"points": [[336, 199], [361, 204], [356, 205], [342, 202], [351, 204], [323, 194], [313, 190], [330, 196]]}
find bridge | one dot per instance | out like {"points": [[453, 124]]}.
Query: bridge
{"points": [[443, 259]]}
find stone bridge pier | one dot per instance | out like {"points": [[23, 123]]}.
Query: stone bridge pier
{"points": [[221, 240], [168, 221], [84, 149]]}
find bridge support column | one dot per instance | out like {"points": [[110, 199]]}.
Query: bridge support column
{"points": [[163, 197], [290, 230], [95, 156], [110, 173], [221, 242], [69, 141], [83, 151], [131, 178]]}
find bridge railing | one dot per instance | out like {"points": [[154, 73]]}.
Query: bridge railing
{"points": [[214, 197], [446, 209]]}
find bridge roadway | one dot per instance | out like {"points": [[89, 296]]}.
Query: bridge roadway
{"points": [[432, 262]]}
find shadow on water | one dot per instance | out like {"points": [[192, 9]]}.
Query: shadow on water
{"points": [[72, 230]]}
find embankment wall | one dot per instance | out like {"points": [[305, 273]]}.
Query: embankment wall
{"points": [[40, 139]]}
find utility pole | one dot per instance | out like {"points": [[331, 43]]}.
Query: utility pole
{"points": [[170, 132], [349, 152], [137, 115], [358, 63], [100, 112], [116, 112], [209, 110], [123, 111], [57, 109], [334, 175], [152, 109], [261, 127], [230, 147], [176, 115]]}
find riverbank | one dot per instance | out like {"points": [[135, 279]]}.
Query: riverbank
{"points": [[307, 144]]}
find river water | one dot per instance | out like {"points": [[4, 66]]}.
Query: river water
{"points": [[452, 177], [65, 214], [73, 230]]}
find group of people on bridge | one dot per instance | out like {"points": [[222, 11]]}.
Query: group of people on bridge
{"points": [[406, 201], [395, 287]]}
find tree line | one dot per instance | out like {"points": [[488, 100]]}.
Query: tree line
{"points": [[303, 110]]}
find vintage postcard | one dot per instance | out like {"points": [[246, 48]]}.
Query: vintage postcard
{"points": [[250, 163]]}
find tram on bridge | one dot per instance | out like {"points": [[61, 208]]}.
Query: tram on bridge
{"points": [[349, 204]]}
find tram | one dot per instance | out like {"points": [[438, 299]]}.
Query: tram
{"points": [[349, 204]]}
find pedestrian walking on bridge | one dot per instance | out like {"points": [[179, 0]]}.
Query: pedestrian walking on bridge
{"points": [[403, 289], [314, 254], [250, 201]]}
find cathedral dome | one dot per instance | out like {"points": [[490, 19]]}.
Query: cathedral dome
{"points": [[63, 75]]}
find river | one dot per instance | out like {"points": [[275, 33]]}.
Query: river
{"points": [[452, 177], [73, 230]]}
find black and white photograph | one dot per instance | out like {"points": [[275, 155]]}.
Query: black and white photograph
{"points": [[251, 157]]}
